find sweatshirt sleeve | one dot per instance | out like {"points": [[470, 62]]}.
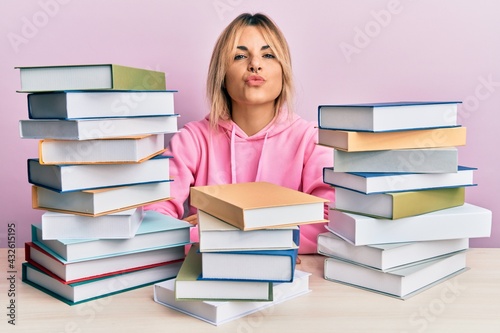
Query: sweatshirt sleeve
{"points": [[316, 158], [185, 150]]}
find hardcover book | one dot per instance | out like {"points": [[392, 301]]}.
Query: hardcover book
{"points": [[89, 77], [352, 141], [466, 221], [258, 205], [77, 177], [422, 160], [100, 104], [221, 312], [393, 116], [398, 204], [96, 128], [189, 286], [381, 182], [133, 149]]}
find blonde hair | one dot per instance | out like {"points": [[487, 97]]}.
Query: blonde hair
{"points": [[218, 98]]}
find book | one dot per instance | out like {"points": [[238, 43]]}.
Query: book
{"points": [[387, 257], [79, 292], [89, 77], [100, 104], [392, 116], [396, 205], [251, 265], [380, 182], [85, 270], [188, 286], [466, 221], [221, 312], [121, 225], [402, 283], [216, 235], [421, 160], [97, 202], [134, 149], [258, 205], [77, 177], [96, 128], [156, 231], [406, 139]]}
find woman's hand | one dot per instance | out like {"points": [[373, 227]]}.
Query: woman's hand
{"points": [[193, 219]]}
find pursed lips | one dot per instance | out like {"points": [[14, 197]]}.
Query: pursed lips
{"points": [[255, 80]]}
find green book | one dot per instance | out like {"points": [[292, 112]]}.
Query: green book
{"points": [[397, 205], [90, 77], [188, 286]]}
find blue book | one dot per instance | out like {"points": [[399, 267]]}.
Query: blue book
{"points": [[392, 116], [381, 182], [156, 231]]}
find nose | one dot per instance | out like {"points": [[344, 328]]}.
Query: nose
{"points": [[254, 65]]}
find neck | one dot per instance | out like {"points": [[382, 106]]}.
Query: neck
{"points": [[252, 119]]}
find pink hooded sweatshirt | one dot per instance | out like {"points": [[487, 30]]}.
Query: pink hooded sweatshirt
{"points": [[284, 153]]}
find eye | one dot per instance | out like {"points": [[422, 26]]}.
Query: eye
{"points": [[239, 57], [269, 56]]}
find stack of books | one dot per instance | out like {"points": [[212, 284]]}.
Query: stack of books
{"points": [[101, 159], [247, 251], [400, 222]]}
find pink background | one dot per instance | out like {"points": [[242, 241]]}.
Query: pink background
{"points": [[343, 52]]}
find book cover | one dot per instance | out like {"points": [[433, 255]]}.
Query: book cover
{"points": [[221, 312], [258, 205], [135, 149], [402, 283], [381, 182], [89, 77], [466, 221], [352, 141], [421, 160], [73, 272], [188, 286], [398, 204], [100, 104], [121, 225], [217, 235], [156, 231], [392, 116], [88, 290], [78, 177], [97, 202], [96, 128], [387, 257]]}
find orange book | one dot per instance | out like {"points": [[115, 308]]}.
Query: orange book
{"points": [[368, 141]]}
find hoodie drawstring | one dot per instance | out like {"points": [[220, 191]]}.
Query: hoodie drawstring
{"points": [[233, 156]]}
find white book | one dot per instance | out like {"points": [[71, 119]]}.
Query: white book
{"points": [[380, 117], [100, 104], [466, 221], [419, 160], [77, 177], [221, 312], [387, 257], [133, 149], [120, 225], [401, 283], [381, 182], [100, 201], [156, 231], [96, 128], [95, 268], [96, 288], [216, 235]]}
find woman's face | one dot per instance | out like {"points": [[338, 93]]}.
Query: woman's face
{"points": [[255, 77]]}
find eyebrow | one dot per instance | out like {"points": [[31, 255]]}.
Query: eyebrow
{"points": [[244, 48]]}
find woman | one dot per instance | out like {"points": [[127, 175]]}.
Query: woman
{"points": [[251, 133]]}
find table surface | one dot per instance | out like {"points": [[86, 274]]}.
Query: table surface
{"points": [[469, 302]]}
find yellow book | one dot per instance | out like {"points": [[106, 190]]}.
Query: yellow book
{"points": [[398, 204], [90, 77], [368, 141], [258, 205]]}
